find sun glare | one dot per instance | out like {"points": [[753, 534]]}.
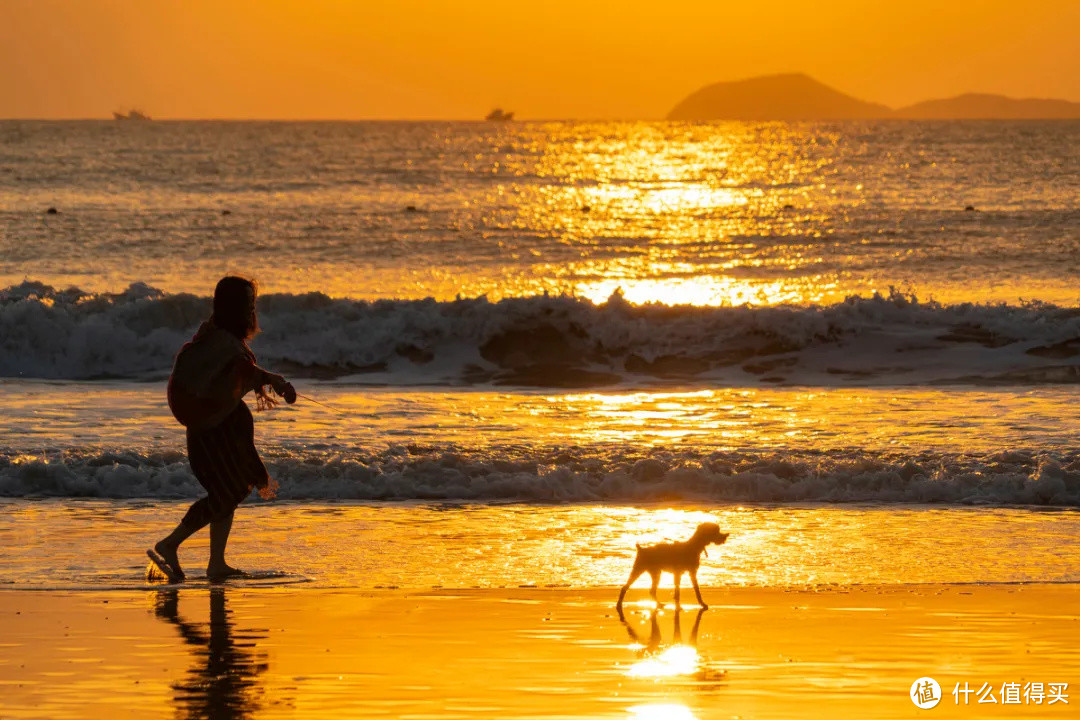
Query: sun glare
{"points": [[698, 291], [675, 660], [662, 711]]}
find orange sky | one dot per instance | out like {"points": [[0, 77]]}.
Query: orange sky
{"points": [[544, 59]]}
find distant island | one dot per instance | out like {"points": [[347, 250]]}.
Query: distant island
{"points": [[797, 96], [973, 106]]}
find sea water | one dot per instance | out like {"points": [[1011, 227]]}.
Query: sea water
{"points": [[533, 345]]}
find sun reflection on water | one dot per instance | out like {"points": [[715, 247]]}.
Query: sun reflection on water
{"points": [[707, 290], [675, 660], [662, 711], [666, 664], [800, 212]]}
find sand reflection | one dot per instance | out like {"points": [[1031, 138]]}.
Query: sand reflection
{"points": [[223, 680]]}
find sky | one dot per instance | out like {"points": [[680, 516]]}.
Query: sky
{"points": [[582, 59]]}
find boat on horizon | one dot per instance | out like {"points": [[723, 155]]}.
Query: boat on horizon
{"points": [[497, 115], [131, 115]]}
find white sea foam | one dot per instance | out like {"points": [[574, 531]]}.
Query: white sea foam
{"points": [[558, 341], [401, 473]]}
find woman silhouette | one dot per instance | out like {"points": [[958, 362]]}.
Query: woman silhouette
{"points": [[210, 377]]}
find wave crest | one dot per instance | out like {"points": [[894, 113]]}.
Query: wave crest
{"points": [[404, 473], [551, 341]]}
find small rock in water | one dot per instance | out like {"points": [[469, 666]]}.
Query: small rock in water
{"points": [[226, 212], [585, 208], [969, 208], [410, 208], [52, 211]]}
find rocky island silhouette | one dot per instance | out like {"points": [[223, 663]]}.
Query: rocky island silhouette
{"points": [[796, 96]]}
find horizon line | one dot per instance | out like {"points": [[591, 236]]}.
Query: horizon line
{"points": [[481, 121]]}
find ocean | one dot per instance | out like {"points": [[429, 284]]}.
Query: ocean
{"points": [[531, 345]]}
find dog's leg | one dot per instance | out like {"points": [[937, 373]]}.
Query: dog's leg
{"points": [[655, 584], [678, 581], [634, 575], [697, 590]]}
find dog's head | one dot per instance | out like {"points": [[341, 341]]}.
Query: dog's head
{"points": [[709, 534]]}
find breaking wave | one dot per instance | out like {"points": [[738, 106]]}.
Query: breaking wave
{"points": [[581, 475], [551, 341]]}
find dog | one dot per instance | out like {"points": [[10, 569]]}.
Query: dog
{"points": [[676, 558]]}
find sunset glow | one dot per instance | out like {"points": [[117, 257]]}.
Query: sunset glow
{"points": [[562, 59]]}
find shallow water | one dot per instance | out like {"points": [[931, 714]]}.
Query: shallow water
{"points": [[100, 543]]}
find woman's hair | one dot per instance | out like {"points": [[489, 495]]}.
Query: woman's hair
{"points": [[234, 306]]}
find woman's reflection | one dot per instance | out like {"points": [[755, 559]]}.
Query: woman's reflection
{"points": [[223, 682]]}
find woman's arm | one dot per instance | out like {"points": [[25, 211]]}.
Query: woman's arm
{"points": [[248, 376], [279, 384]]}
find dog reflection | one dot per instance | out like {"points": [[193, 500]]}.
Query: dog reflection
{"points": [[655, 639], [223, 682], [659, 659]]}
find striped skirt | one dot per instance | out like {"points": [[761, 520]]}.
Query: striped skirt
{"points": [[226, 463]]}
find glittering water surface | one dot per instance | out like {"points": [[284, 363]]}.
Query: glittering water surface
{"points": [[655, 449], [682, 214], [721, 213], [955, 445], [100, 543], [46, 418]]}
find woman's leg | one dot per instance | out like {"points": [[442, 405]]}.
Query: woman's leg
{"points": [[197, 516], [226, 464], [219, 537]]}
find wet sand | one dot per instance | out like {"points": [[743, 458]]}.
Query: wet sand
{"points": [[296, 651]]}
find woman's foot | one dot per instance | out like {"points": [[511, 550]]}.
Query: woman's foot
{"points": [[217, 573], [167, 551]]}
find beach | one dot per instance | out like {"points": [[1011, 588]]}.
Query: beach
{"points": [[291, 651], [457, 610]]}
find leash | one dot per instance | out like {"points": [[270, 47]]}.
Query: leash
{"points": [[319, 402]]}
